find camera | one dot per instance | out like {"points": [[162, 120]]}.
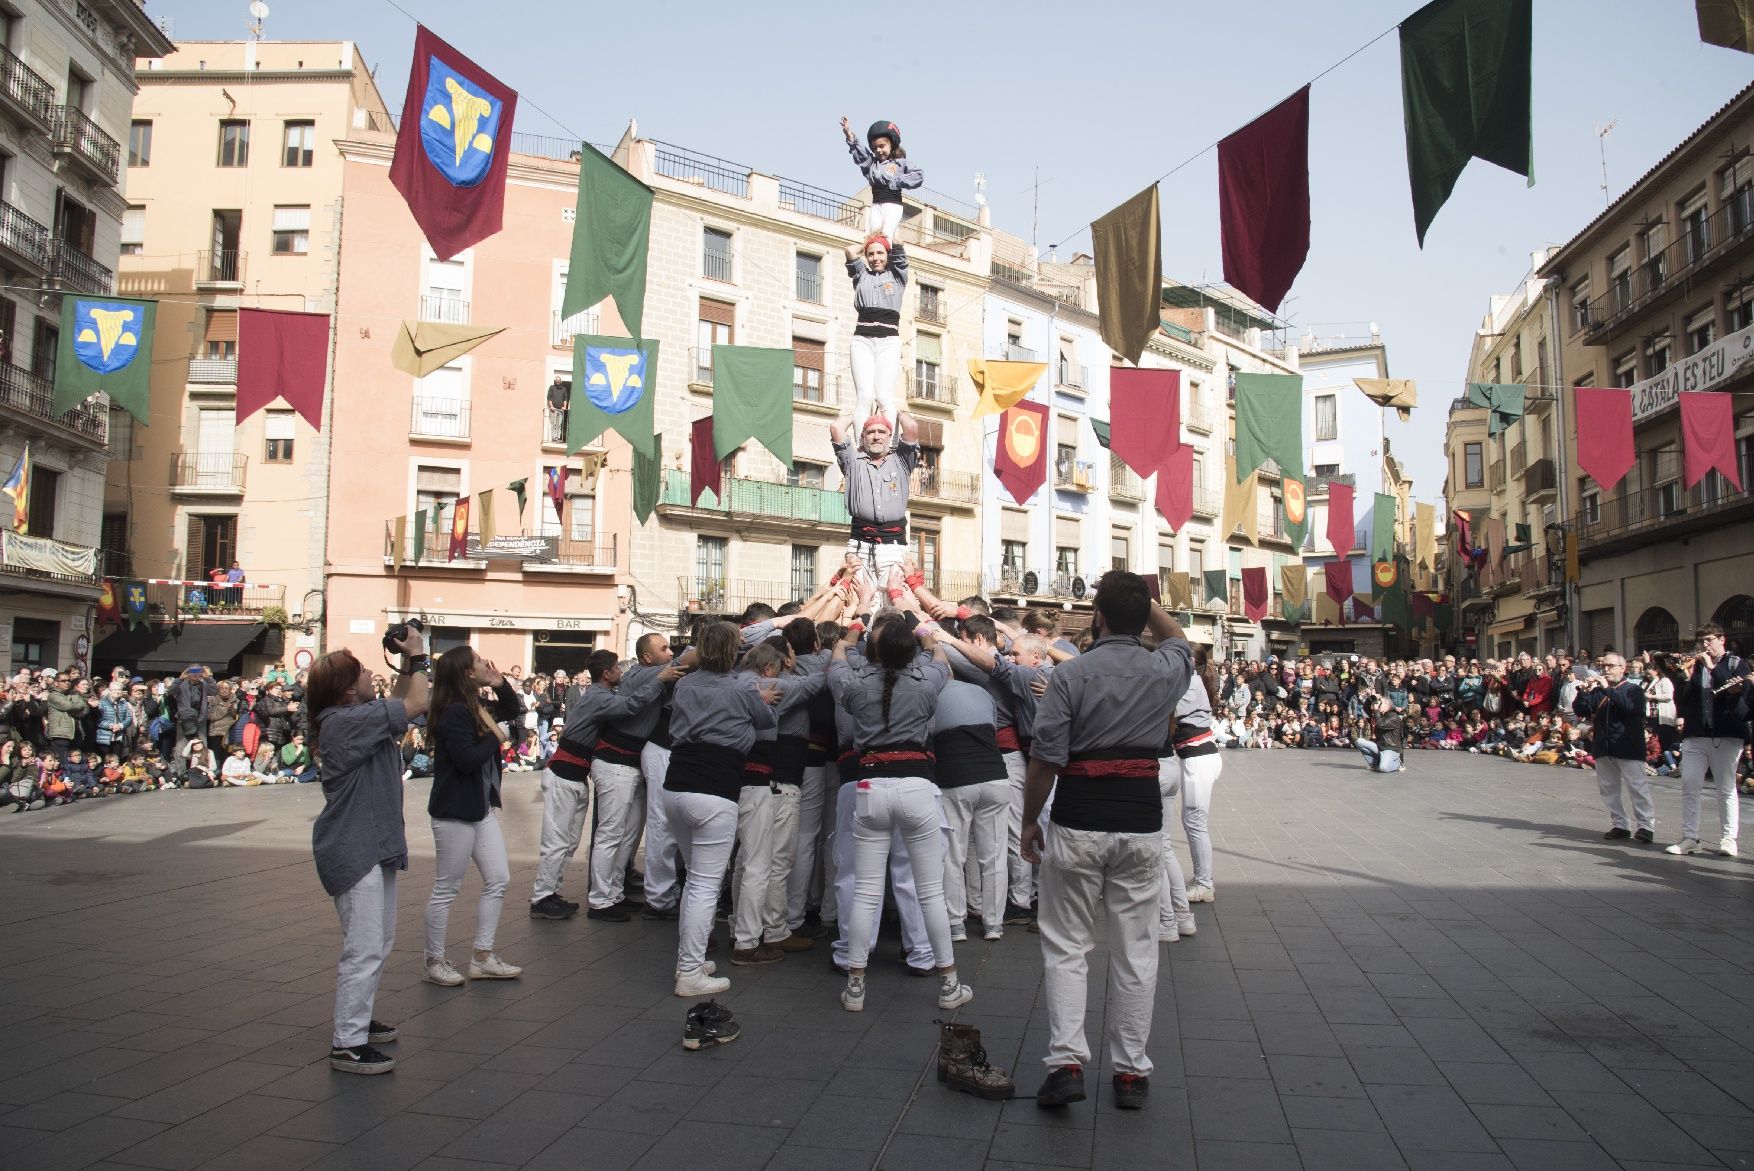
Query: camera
{"points": [[398, 631]]}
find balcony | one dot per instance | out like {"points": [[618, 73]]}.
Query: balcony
{"points": [[1207, 502], [1540, 479], [46, 559], [781, 504], [822, 391], [561, 330], [438, 418], [444, 309], [75, 135], [700, 367], [213, 371], [220, 270], [937, 389], [1124, 483], [942, 484], [820, 204], [807, 287], [541, 553], [1071, 377], [204, 599], [23, 93], [1318, 485], [24, 243], [1635, 518], [1701, 245], [1198, 416], [698, 170], [1495, 477], [1517, 463], [75, 272], [1074, 475], [931, 309], [1016, 581], [728, 595], [218, 473], [1019, 354], [24, 393]]}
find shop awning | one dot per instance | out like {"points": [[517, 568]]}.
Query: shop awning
{"points": [[1508, 626], [167, 649]]}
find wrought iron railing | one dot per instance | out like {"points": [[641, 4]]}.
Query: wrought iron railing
{"points": [[439, 418], [74, 270], [444, 309], [934, 386], [716, 266], [931, 310], [1700, 242], [823, 205], [761, 498], [71, 130], [687, 166], [30, 394], [224, 266], [942, 484], [1636, 511], [221, 471], [24, 236], [561, 330], [809, 287], [213, 599], [213, 371], [24, 87]]}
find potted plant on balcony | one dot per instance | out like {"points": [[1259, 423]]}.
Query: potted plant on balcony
{"points": [[275, 616]]}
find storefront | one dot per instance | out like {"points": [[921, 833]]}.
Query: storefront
{"points": [[540, 643]]}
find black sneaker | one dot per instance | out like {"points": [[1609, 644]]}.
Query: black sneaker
{"points": [[709, 1024], [613, 914], [567, 903], [1618, 833], [1065, 1084], [651, 912], [1016, 916], [378, 1033], [552, 907], [822, 929], [1644, 837], [1130, 1090], [360, 1059]]}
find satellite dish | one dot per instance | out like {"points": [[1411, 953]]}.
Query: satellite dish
{"points": [[258, 10], [1078, 588], [1030, 582]]}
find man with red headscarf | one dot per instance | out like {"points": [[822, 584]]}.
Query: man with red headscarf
{"points": [[877, 486]]}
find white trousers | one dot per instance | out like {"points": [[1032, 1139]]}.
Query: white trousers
{"points": [[705, 828], [812, 796], [368, 935], [1022, 873], [456, 843], [783, 858], [755, 831], [617, 831], [1611, 776], [914, 940], [883, 806], [976, 814], [1173, 890], [1082, 870], [564, 807], [662, 892], [882, 218], [1718, 754], [831, 787], [876, 365], [1199, 774]]}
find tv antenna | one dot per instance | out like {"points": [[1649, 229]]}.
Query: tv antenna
{"points": [[258, 14], [1602, 132]]}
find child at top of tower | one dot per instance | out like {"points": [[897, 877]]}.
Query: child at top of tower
{"points": [[887, 169]]}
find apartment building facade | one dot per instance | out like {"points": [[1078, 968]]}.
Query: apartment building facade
{"points": [[67, 83], [234, 190], [1655, 294]]}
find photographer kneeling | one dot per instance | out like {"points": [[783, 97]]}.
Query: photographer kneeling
{"points": [[358, 841]]}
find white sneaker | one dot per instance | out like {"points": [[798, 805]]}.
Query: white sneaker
{"points": [[1684, 846], [852, 997], [1167, 934], [1201, 893], [993, 933], [953, 993], [701, 983], [441, 972], [493, 968], [1184, 924], [1727, 848], [958, 933]]}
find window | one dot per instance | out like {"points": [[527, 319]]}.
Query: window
{"points": [[1327, 417], [808, 360], [1656, 356], [931, 304], [1326, 471], [78, 91], [1695, 226], [1745, 460], [1741, 314], [1701, 330], [809, 276], [1580, 305], [292, 231], [300, 144], [140, 143], [1066, 561], [1119, 556], [1196, 562], [1620, 278], [1011, 557], [1065, 463], [716, 327], [716, 257], [925, 543], [45, 345], [113, 542], [1067, 372], [804, 474], [1591, 507], [224, 261], [1626, 369], [234, 144], [212, 544], [134, 230], [1736, 192], [709, 571], [435, 492], [1473, 462], [278, 429], [803, 571], [45, 490], [35, 643], [1653, 240], [929, 381], [220, 337]]}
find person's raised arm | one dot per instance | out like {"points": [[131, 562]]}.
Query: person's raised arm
{"points": [[1163, 624], [411, 686], [981, 656]]}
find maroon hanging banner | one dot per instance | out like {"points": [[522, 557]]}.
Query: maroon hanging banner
{"points": [[1708, 437], [1338, 577], [1604, 433], [1175, 488], [1145, 425], [1340, 526], [282, 355], [1263, 200], [1254, 592], [1021, 458], [704, 469]]}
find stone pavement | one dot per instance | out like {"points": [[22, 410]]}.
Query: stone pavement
{"points": [[1447, 969]]}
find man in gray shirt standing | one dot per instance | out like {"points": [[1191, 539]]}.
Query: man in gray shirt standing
{"points": [[877, 485]]}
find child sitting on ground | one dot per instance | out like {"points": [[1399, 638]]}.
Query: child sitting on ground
{"points": [[295, 760], [134, 778], [200, 770], [236, 770], [54, 789], [77, 773], [112, 776]]}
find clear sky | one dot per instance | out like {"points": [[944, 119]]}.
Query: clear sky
{"points": [[1101, 98]]}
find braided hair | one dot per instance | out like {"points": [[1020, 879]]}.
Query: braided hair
{"points": [[893, 649]]}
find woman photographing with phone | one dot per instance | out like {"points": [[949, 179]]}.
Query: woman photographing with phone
{"points": [[467, 749], [358, 841]]}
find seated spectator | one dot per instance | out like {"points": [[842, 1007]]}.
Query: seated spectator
{"points": [[76, 771], [237, 770], [111, 777], [54, 790], [200, 770], [134, 773], [295, 760]]}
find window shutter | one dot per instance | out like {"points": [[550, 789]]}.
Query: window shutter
{"points": [[278, 425], [428, 479], [811, 355], [929, 347], [1066, 534], [718, 312], [222, 325], [1014, 525], [292, 219], [134, 225], [931, 433], [1066, 430]]}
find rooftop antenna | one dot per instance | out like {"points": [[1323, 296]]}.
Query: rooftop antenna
{"points": [[1602, 132], [258, 14]]}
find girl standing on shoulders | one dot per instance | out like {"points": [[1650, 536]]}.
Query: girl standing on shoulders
{"points": [[887, 169]]}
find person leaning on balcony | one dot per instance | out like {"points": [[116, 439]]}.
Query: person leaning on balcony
{"points": [[877, 487]]}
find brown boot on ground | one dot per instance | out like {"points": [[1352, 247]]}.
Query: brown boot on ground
{"points": [[963, 1066]]}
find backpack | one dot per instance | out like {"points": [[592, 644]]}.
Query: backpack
{"points": [[158, 729]]}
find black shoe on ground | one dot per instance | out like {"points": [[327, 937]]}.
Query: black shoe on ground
{"points": [[378, 1033], [1130, 1090], [567, 903], [1618, 833], [360, 1059], [660, 913], [634, 879], [613, 914], [1016, 916], [1065, 1084], [709, 1024], [1644, 837], [552, 907]]}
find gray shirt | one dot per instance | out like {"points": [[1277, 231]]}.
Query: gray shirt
{"points": [[360, 825], [1014, 680], [859, 689], [1117, 694], [878, 491], [597, 705], [805, 682], [725, 711], [1193, 711], [644, 721], [962, 705]]}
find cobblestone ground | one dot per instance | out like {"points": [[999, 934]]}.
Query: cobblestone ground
{"points": [[1445, 969]]}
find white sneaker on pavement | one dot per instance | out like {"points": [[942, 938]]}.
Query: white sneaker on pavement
{"points": [[1184, 924], [1201, 893], [701, 983], [493, 968], [1684, 846], [1727, 848], [442, 973]]}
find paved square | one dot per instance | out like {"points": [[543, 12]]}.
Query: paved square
{"points": [[1445, 969]]}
